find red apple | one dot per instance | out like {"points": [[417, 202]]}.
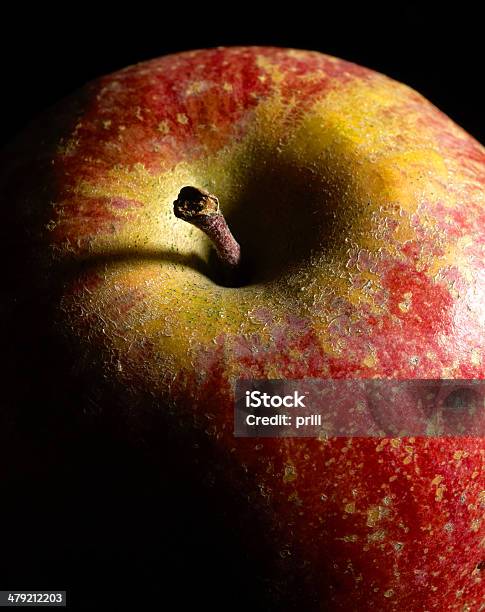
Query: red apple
{"points": [[359, 210]]}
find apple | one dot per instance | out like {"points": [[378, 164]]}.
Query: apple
{"points": [[358, 209]]}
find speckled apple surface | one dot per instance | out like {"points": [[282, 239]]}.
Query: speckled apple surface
{"points": [[360, 206]]}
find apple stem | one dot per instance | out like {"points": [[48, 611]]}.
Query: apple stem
{"points": [[201, 209]]}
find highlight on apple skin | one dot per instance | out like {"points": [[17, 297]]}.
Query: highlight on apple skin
{"points": [[358, 207]]}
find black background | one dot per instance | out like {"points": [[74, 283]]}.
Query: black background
{"points": [[93, 525], [48, 53]]}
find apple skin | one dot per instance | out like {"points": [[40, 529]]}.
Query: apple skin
{"points": [[360, 207]]}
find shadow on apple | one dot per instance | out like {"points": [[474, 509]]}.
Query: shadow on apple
{"points": [[91, 502]]}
